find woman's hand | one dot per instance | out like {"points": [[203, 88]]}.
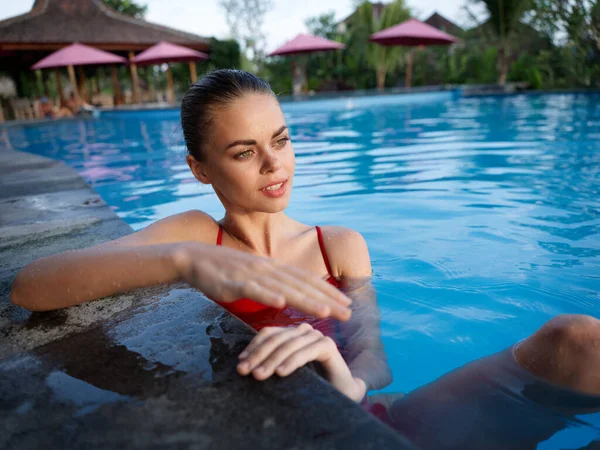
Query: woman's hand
{"points": [[281, 351], [226, 275]]}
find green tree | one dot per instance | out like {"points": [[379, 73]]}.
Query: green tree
{"points": [[323, 25], [245, 20], [128, 7], [382, 58], [504, 17], [223, 55], [575, 26], [324, 68]]}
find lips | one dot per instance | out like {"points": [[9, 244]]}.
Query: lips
{"points": [[276, 185], [275, 189]]}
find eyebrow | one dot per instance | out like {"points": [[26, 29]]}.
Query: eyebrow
{"points": [[252, 141]]}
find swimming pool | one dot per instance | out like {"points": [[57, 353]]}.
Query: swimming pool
{"points": [[482, 215]]}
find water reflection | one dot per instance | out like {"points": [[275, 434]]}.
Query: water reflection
{"points": [[140, 354]]}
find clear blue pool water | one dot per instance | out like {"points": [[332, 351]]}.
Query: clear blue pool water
{"points": [[482, 215]]}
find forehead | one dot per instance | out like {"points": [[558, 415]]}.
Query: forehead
{"points": [[252, 116]]}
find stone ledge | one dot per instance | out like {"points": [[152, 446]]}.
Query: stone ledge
{"points": [[151, 368]]}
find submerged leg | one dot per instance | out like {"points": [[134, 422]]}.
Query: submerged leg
{"points": [[565, 351]]}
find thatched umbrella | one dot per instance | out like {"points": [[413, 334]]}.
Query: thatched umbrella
{"points": [[165, 52], [79, 55], [301, 44], [412, 33]]}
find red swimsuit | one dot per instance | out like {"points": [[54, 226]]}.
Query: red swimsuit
{"points": [[259, 316]]}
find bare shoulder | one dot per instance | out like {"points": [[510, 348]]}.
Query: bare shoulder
{"points": [[191, 225], [347, 252]]}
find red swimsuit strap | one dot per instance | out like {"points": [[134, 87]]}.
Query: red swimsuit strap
{"points": [[323, 252], [220, 235]]}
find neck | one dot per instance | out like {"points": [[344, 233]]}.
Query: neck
{"points": [[260, 232]]}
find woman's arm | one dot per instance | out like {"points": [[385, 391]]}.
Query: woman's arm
{"points": [[364, 351], [281, 351], [363, 348], [141, 259], [164, 253], [79, 276]]}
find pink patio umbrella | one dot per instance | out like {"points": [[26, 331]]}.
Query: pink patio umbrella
{"points": [[78, 55], [412, 33], [302, 44], [165, 52]]}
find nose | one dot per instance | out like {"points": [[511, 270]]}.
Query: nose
{"points": [[270, 162]]}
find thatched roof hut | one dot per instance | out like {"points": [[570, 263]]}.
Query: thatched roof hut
{"points": [[53, 24], [438, 21]]}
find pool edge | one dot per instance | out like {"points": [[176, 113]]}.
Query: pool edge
{"points": [[75, 216]]}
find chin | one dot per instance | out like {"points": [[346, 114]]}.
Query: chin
{"points": [[275, 207]]}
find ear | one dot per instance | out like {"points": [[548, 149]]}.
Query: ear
{"points": [[198, 169]]}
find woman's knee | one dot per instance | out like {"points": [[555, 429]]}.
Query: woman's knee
{"points": [[565, 351], [574, 332]]}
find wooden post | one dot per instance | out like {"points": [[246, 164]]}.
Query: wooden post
{"points": [[73, 80], [193, 75], [116, 88], [297, 83], [134, 79], [409, 68], [45, 83], [171, 89], [150, 82], [304, 63], [39, 86], [95, 85], [82, 84], [59, 86]]}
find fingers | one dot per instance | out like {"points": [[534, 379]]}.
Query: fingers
{"points": [[267, 340], [282, 351], [298, 295], [258, 291], [317, 351], [261, 337], [314, 297], [272, 284], [321, 285]]}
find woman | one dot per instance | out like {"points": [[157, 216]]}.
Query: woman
{"points": [[265, 267], [263, 261]]}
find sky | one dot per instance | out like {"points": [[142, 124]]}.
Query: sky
{"points": [[283, 22]]}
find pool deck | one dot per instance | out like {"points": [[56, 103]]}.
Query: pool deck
{"points": [[151, 368]]}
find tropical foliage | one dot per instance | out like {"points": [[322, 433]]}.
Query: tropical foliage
{"points": [[504, 19], [128, 7], [382, 58], [545, 44]]}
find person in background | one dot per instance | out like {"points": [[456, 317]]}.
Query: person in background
{"points": [[48, 111], [77, 105]]}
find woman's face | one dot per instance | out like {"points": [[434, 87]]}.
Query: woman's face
{"points": [[249, 159]]}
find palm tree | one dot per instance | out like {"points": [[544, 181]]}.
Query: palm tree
{"points": [[383, 59], [504, 19]]}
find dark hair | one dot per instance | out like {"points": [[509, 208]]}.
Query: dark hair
{"points": [[216, 89]]}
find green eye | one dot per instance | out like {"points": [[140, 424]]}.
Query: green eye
{"points": [[244, 154], [281, 142]]}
